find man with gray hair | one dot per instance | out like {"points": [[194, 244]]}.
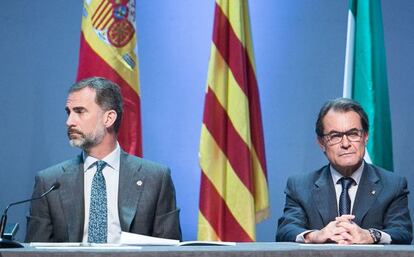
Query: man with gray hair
{"points": [[104, 190], [348, 201]]}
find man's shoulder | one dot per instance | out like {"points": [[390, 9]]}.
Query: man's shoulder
{"points": [[385, 175], [143, 164], [310, 177], [59, 167]]}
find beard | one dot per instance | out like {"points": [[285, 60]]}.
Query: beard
{"points": [[86, 141]]}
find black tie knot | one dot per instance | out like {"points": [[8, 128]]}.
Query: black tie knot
{"points": [[346, 182]]}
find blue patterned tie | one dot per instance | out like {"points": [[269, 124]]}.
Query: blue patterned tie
{"points": [[344, 199], [98, 219]]}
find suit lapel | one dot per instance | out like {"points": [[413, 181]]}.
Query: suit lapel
{"points": [[324, 196], [71, 195], [131, 184], [368, 190]]}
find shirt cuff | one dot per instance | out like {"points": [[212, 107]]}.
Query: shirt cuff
{"points": [[301, 237], [385, 238]]}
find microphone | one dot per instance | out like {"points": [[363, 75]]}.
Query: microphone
{"points": [[5, 243]]}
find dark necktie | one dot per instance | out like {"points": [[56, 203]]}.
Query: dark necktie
{"points": [[98, 219], [344, 199]]}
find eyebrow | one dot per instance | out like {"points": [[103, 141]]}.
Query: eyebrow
{"points": [[334, 131], [75, 109]]}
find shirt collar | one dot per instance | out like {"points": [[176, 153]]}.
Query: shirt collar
{"points": [[356, 176], [112, 159]]}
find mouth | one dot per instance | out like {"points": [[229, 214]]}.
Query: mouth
{"points": [[74, 133], [346, 154]]}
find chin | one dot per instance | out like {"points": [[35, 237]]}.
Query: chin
{"points": [[349, 164], [76, 143]]}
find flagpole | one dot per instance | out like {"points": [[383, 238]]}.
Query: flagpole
{"points": [[349, 55]]}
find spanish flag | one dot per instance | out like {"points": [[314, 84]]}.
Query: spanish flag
{"points": [[233, 190], [108, 49]]}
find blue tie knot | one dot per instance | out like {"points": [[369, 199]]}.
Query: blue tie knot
{"points": [[100, 165]]}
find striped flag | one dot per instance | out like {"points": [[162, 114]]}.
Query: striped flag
{"points": [[365, 77], [108, 49], [233, 190]]}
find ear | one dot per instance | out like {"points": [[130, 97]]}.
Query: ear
{"points": [[109, 118], [365, 138], [321, 143]]}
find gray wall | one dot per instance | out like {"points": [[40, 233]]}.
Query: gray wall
{"points": [[299, 48]]}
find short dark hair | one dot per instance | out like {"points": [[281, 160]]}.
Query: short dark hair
{"points": [[341, 105], [108, 95]]}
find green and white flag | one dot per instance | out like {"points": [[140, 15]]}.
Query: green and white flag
{"points": [[365, 77]]}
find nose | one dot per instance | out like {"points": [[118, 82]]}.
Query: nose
{"points": [[70, 121], [345, 143]]}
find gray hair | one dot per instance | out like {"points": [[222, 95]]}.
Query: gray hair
{"points": [[341, 105], [108, 95]]}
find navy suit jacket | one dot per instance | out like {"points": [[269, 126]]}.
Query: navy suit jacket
{"points": [[381, 202], [148, 208]]}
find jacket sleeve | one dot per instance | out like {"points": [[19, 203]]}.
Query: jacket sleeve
{"points": [[397, 221], [167, 220], [294, 219], [39, 224]]}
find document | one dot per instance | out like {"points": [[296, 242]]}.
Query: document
{"points": [[206, 243], [137, 239], [81, 246], [129, 241]]}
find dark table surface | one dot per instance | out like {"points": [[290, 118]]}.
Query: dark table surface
{"points": [[240, 249]]}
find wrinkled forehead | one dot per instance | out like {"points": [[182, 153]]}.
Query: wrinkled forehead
{"points": [[83, 97], [341, 121]]}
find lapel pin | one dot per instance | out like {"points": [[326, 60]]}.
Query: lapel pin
{"points": [[139, 183], [373, 192]]}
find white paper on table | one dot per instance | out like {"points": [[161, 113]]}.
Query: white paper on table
{"points": [[81, 246], [206, 243], [137, 239]]}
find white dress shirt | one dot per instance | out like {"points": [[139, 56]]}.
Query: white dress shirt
{"points": [[111, 174]]}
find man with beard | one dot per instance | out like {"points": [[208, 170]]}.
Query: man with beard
{"points": [[104, 190], [348, 201]]}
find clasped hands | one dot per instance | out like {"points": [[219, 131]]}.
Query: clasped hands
{"points": [[342, 231]]}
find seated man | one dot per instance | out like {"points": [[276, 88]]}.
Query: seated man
{"points": [[348, 201], [104, 190]]}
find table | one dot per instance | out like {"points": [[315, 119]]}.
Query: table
{"points": [[240, 250]]}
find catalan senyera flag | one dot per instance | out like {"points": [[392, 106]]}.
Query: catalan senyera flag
{"points": [[233, 190], [365, 78], [108, 49]]}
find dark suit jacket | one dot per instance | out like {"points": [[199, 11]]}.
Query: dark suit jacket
{"points": [[149, 209], [381, 203]]}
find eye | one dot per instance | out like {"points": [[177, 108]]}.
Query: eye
{"points": [[79, 110], [335, 136], [353, 133]]}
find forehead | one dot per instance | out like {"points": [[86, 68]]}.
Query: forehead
{"points": [[341, 121], [83, 97]]}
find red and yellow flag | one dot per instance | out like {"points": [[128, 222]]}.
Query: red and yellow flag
{"points": [[108, 49], [233, 191]]}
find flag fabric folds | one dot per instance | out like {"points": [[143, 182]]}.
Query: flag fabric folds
{"points": [[365, 78], [233, 190], [108, 49]]}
